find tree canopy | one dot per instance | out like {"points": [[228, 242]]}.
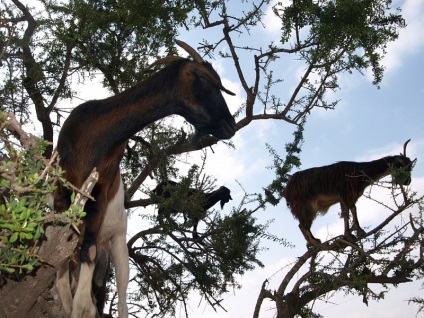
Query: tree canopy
{"points": [[50, 48]]}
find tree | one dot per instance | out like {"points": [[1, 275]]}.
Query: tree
{"points": [[391, 253], [46, 55]]}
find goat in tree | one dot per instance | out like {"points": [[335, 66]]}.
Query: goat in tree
{"points": [[315, 190], [166, 189], [95, 135]]}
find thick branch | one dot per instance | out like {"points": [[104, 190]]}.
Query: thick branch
{"points": [[34, 74]]}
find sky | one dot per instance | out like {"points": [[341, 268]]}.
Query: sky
{"points": [[368, 123]]}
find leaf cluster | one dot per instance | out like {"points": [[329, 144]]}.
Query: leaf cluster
{"points": [[172, 263], [283, 167], [24, 190], [27, 182], [356, 30]]}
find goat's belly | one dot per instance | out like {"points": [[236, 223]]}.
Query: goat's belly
{"points": [[321, 203]]}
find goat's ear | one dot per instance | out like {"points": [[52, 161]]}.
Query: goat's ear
{"points": [[222, 88], [226, 200], [222, 204]]}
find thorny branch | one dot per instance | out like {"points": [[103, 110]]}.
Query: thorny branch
{"points": [[381, 267]]}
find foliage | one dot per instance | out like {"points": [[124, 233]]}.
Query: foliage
{"points": [[172, 263], [283, 167], [27, 181], [418, 301], [338, 28], [48, 52]]}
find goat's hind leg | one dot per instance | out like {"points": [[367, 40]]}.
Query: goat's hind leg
{"points": [[306, 217], [83, 304], [347, 230]]}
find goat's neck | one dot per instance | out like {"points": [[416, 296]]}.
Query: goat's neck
{"points": [[133, 112], [211, 199], [376, 169], [99, 129]]}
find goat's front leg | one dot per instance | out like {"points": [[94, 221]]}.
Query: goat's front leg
{"points": [[310, 239], [195, 223], [355, 226], [306, 216], [83, 305]]}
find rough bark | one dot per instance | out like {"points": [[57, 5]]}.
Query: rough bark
{"points": [[19, 298], [31, 296]]}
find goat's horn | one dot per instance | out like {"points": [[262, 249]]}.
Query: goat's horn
{"points": [[404, 147], [196, 56]]}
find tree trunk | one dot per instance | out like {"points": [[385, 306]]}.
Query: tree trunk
{"points": [[26, 298]]}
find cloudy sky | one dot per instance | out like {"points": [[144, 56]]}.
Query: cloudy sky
{"points": [[368, 123]]}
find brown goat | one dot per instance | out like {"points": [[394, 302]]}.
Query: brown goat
{"points": [[95, 135], [315, 190]]}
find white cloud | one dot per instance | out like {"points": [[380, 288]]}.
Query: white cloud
{"points": [[411, 38], [271, 21], [233, 102], [392, 149]]}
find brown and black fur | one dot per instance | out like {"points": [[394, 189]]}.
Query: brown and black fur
{"points": [[96, 132], [315, 190]]}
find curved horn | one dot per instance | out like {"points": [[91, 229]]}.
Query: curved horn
{"points": [[196, 56], [404, 147]]}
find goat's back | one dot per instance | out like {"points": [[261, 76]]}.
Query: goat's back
{"points": [[326, 185]]}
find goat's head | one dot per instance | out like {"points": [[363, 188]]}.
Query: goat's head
{"points": [[402, 167], [225, 195], [199, 97]]}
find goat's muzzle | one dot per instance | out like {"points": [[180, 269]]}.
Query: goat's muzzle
{"points": [[225, 129]]}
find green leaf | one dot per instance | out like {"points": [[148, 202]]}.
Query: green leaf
{"points": [[37, 233], [14, 237], [32, 225]]}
